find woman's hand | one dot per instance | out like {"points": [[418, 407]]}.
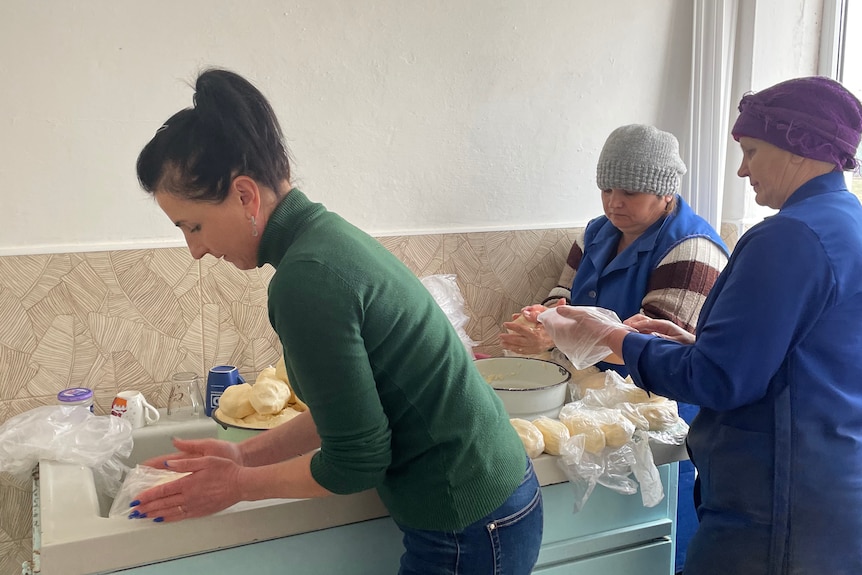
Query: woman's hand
{"points": [[213, 485], [192, 448], [661, 328], [525, 335], [600, 327]]}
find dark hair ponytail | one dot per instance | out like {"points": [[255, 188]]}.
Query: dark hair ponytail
{"points": [[231, 130]]}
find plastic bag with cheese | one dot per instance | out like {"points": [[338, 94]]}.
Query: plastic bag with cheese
{"points": [[584, 380], [583, 418], [647, 411], [140, 478], [611, 451]]}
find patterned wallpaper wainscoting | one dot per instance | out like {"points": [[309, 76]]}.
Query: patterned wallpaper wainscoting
{"points": [[130, 319]]}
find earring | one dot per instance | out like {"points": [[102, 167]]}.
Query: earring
{"points": [[253, 227]]}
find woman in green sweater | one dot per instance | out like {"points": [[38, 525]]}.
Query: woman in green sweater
{"points": [[395, 402]]}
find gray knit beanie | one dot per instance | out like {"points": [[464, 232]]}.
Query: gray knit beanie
{"points": [[639, 158]]}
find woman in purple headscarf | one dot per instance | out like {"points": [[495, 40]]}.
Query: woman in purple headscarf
{"points": [[776, 361]]}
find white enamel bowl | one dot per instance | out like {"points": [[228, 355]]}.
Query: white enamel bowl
{"points": [[528, 387]]}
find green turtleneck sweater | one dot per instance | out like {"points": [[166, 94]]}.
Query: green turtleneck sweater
{"points": [[398, 404]]}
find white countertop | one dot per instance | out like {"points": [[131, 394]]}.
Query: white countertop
{"points": [[77, 540]]}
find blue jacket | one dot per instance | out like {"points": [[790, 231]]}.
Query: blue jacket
{"points": [[776, 369], [622, 284]]}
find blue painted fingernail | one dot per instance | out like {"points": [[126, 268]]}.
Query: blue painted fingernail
{"points": [[158, 519], [134, 503], [134, 514], [142, 516], [166, 463]]}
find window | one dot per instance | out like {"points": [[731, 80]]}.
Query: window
{"points": [[841, 57], [850, 63]]}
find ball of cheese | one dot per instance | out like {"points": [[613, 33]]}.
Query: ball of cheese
{"points": [[268, 394], [659, 415], [530, 436], [617, 429], [281, 373], [281, 370], [235, 401], [583, 423], [586, 382], [554, 432], [634, 394]]}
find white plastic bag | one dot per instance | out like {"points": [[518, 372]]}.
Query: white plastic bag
{"points": [[626, 453], [68, 434], [580, 346], [444, 289], [581, 468], [653, 413], [139, 479]]}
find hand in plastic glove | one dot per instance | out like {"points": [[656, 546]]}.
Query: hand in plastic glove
{"points": [[660, 327], [525, 335], [212, 486], [585, 334], [191, 448]]}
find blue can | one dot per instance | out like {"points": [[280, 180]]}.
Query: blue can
{"points": [[219, 378]]}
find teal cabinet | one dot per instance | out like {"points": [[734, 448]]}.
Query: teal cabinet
{"points": [[366, 548], [650, 559], [612, 534]]}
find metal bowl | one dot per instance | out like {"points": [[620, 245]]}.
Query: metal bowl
{"points": [[230, 432], [528, 387]]}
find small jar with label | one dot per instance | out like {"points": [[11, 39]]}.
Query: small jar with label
{"points": [[82, 396]]}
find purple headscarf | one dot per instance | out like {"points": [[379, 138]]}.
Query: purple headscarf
{"points": [[813, 117]]}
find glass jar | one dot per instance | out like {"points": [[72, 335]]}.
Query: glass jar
{"points": [[82, 396], [185, 399]]}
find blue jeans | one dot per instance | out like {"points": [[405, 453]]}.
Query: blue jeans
{"points": [[504, 542]]}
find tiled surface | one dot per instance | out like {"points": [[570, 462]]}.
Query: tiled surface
{"points": [[129, 319], [113, 321], [501, 272]]}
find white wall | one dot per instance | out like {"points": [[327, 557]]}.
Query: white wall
{"points": [[405, 117], [777, 40]]}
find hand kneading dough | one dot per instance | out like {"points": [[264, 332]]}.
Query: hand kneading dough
{"points": [[268, 394], [235, 401]]}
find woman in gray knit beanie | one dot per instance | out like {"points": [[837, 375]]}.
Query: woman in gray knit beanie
{"points": [[639, 173], [649, 253], [640, 158], [775, 362]]}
